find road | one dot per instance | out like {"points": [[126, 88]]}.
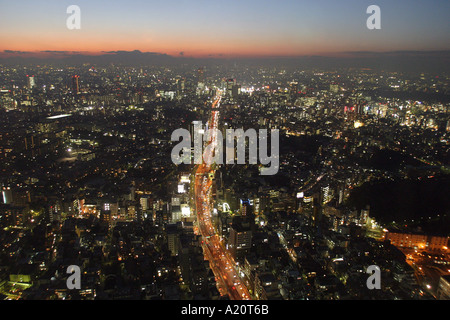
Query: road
{"points": [[221, 262], [427, 273]]}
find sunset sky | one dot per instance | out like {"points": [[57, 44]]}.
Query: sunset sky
{"points": [[201, 28]]}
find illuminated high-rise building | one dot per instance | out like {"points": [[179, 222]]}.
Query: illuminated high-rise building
{"points": [[144, 203], [240, 234], [75, 84], [240, 238], [230, 84], [293, 88], [235, 91], [181, 83], [30, 82], [7, 195], [173, 236]]}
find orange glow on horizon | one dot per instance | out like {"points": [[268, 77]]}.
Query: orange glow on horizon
{"points": [[207, 47]]}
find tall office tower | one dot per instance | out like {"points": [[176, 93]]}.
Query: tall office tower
{"points": [[7, 195], [173, 236], [75, 84], [230, 84], [181, 83], [240, 238], [235, 91], [245, 207], [144, 203], [30, 82]]}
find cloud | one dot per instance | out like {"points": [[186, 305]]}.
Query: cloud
{"points": [[133, 52], [57, 52], [16, 52]]}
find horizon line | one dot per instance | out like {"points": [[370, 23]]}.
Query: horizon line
{"points": [[61, 54]]}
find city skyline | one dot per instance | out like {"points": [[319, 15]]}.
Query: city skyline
{"points": [[89, 183], [224, 30], [211, 152]]}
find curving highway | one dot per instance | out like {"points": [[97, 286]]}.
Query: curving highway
{"points": [[221, 262]]}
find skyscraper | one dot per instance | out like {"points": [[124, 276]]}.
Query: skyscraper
{"points": [[230, 84], [293, 88], [181, 83], [7, 195], [235, 91], [30, 82], [241, 233], [240, 238], [75, 84]]}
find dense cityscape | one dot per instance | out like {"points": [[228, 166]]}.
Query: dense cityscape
{"points": [[224, 158], [87, 179]]}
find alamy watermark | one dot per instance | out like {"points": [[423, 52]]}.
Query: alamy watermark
{"points": [[374, 21], [374, 281], [73, 22], [74, 280], [234, 139]]}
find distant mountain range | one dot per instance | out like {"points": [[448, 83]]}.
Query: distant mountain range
{"points": [[415, 61]]}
